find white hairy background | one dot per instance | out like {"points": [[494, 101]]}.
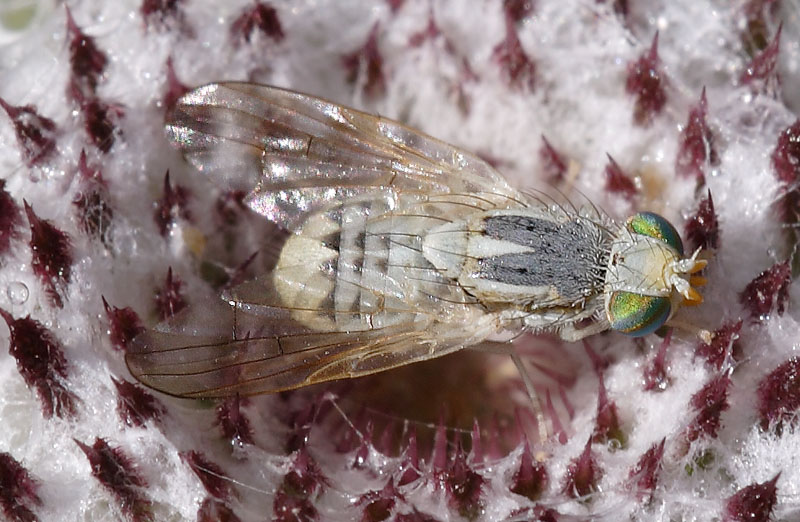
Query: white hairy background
{"points": [[581, 50]]}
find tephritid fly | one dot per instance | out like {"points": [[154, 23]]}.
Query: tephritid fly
{"points": [[403, 248]]}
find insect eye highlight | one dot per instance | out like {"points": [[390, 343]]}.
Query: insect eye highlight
{"points": [[637, 315], [655, 226]]}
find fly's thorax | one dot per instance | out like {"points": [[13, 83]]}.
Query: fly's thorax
{"points": [[529, 257], [647, 278]]}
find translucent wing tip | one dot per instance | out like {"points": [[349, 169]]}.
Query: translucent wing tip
{"points": [[181, 364], [143, 363], [218, 136]]}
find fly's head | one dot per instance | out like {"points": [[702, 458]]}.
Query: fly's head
{"points": [[648, 278]]}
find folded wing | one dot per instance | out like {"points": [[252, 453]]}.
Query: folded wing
{"points": [[352, 293], [296, 153]]}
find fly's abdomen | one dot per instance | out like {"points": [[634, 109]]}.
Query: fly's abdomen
{"points": [[361, 266]]}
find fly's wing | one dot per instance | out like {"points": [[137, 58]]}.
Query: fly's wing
{"points": [[217, 355], [353, 294], [325, 313], [295, 153]]}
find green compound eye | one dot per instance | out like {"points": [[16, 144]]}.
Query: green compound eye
{"points": [[637, 315], [655, 226]]}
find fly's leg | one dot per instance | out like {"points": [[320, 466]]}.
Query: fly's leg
{"points": [[536, 403], [541, 421], [694, 330], [234, 333], [571, 333]]}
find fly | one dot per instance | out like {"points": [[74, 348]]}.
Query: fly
{"points": [[402, 249]]}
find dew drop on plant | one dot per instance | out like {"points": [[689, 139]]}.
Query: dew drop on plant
{"points": [[17, 293]]}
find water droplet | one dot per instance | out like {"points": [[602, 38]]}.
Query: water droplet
{"points": [[17, 293]]}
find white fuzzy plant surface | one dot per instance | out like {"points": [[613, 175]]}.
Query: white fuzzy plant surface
{"points": [[687, 108]]}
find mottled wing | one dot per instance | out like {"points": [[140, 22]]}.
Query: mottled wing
{"points": [[295, 153]]}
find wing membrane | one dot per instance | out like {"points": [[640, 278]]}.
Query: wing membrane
{"points": [[296, 153], [182, 363], [352, 292], [325, 313]]}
